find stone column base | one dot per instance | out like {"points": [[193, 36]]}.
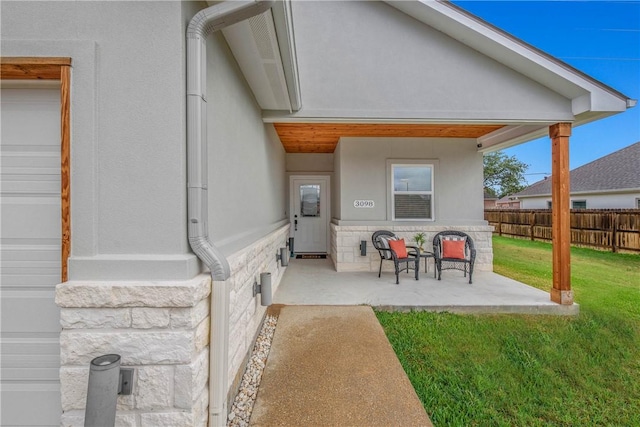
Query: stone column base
{"points": [[160, 328]]}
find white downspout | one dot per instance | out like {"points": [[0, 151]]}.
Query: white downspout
{"points": [[201, 26]]}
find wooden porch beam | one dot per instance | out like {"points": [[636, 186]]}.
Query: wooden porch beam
{"points": [[32, 68], [561, 292]]}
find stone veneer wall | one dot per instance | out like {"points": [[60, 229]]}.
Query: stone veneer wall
{"points": [[162, 330], [159, 328], [345, 244], [245, 312]]}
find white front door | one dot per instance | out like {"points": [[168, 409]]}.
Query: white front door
{"points": [[310, 213], [31, 256]]}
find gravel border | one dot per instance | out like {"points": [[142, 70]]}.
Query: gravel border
{"points": [[242, 407]]}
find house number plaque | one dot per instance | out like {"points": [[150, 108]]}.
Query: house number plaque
{"points": [[363, 204]]}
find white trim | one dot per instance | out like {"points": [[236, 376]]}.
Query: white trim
{"points": [[440, 117], [283, 21]]}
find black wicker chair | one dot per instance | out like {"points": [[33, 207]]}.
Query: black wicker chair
{"points": [[464, 264], [412, 261]]}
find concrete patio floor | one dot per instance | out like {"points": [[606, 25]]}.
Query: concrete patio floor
{"points": [[315, 282]]}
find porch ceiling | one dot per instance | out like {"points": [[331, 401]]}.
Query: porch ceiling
{"points": [[323, 137]]}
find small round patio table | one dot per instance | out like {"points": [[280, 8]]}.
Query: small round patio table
{"points": [[426, 255]]}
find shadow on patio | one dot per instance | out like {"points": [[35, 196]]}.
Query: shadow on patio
{"points": [[315, 282]]}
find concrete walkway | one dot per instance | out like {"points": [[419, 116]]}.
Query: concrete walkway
{"points": [[333, 366]]}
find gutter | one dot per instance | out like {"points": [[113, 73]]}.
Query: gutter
{"points": [[203, 24]]}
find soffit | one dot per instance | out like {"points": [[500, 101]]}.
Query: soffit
{"points": [[324, 137]]}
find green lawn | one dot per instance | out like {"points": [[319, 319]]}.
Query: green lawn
{"points": [[517, 370]]}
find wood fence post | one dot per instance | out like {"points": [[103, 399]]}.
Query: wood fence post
{"points": [[500, 223], [614, 231], [532, 221]]}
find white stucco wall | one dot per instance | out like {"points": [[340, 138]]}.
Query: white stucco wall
{"points": [[247, 198], [367, 59], [362, 165], [309, 162], [128, 191], [594, 201], [247, 186]]}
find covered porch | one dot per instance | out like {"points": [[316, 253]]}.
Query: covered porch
{"points": [[315, 282]]}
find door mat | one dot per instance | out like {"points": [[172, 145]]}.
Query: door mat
{"points": [[311, 256]]}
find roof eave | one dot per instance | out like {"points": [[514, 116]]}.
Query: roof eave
{"points": [[512, 135]]}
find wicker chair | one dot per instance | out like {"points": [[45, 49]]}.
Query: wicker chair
{"points": [[464, 264], [412, 261]]}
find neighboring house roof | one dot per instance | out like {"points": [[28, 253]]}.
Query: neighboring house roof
{"points": [[508, 199], [488, 196], [617, 171]]}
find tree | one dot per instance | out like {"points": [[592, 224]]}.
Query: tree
{"points": [[503, 175]]}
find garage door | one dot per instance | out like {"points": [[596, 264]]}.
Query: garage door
{"points": [[30, 265]]}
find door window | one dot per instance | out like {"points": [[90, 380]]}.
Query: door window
{"points": [[310, 200]]}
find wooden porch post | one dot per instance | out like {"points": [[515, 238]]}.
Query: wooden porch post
{"points": [[561, 292]]}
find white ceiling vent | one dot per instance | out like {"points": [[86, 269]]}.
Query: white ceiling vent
{"points": [[255, 46]]}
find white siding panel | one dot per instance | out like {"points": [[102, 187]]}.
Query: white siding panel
{"points": [[30, 249], [594, 201]]}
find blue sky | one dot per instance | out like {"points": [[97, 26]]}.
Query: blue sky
{"points": [[599, 38]]}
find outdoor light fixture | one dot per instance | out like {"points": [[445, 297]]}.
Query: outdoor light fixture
{"points": [[283, 257], [264, 289], [107, 380], [363, 248], [290, 245]]}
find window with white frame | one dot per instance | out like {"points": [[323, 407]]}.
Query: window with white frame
{"points": [[412, 192], [578, 204], [637, 203]]}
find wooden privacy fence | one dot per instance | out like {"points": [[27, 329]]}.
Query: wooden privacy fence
{"points": [[608, 229]]}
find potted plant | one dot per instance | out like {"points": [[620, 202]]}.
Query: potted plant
{"points": [[420, 239]]}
